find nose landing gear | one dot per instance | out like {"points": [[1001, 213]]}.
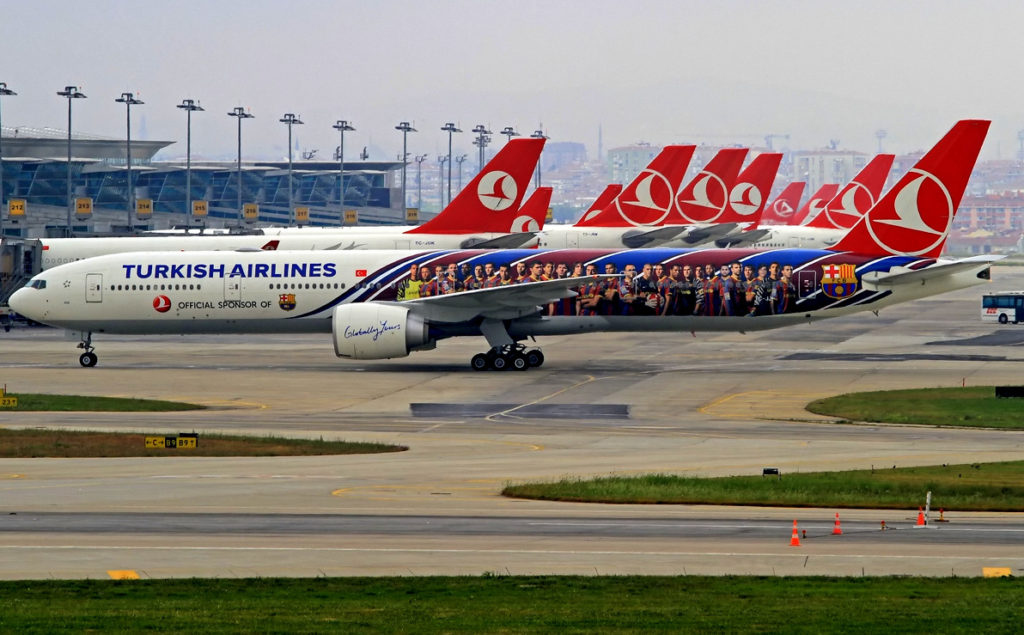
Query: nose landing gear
{"points": [[87, 359], [509, 357]]}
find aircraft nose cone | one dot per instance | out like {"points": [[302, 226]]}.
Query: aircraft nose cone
{"points": [[20, 302]]}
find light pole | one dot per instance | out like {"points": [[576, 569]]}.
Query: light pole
{"points": [[406, 129], [538, 134], [71, 92], [4, 92], [481, 142], [342, 126], [289, 119], [189, 106], [240, 113], [459, 159], [449, 128], [129, 100], [440, 179], [509, 132], [420, 158]]}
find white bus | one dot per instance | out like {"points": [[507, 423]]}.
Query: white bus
{"points": [[1003, 307]]}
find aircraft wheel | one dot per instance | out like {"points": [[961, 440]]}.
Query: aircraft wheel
{"points": [[519, 362], [499, 362], [534, 358], [1002, 318], [479, 361], [88, 360]]}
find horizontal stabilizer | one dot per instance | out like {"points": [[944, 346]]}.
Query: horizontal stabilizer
{"points": [[508, 241], [883, 280]]}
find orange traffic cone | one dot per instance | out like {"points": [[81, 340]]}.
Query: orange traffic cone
{"points": [[837, 530], [795, 540], [920, 517]]}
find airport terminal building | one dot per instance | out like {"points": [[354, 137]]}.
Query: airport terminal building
{"points": [[35, 169]]}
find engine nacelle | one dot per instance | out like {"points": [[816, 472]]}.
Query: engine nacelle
{"points": [[368, 330]]}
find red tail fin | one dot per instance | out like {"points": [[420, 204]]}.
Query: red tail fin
{"points": [[914, 217], [610, 193], [490, 203], [705, 198], [859, 195], [648, 200], [270, 245], [534, 211], [783, 207], [750, 193], [815, 204]]}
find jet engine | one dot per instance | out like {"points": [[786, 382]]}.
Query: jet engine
{"points": [[369, 330]]}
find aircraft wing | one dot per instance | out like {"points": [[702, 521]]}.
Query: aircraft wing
{"points": [[635, 239], [883, 280], [508, 241], [499, 303]]}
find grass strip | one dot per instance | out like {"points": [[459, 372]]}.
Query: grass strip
{"points": [[974, 487], [975, 407], [569, 604], [28, 402], [86, 444]]}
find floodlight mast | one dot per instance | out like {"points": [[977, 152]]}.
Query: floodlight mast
{"points": [[241, 114], [71, 92]]}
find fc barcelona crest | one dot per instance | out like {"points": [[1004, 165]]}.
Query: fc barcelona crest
{"points": [[287, 301], [839, 281]]}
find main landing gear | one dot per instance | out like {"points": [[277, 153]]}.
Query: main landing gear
{"points": [[509, 357], [87, 359]]}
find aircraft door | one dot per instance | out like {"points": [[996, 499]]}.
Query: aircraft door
{"points": [[94, 287], [806, 283], [402, 244], [233, 288], [572, 240]]}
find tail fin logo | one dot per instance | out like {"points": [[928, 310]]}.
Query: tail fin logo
{"points": [[709, 197], [902, 229], [524, 224], [497, 190], [816, 206], [649, 202], [783, 209], [855, 201], [745, 198]]}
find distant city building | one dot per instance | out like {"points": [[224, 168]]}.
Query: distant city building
{"points": [[818, 167], [625, 162]]}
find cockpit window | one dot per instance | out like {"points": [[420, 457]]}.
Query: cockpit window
{"points": [[37, 284]]}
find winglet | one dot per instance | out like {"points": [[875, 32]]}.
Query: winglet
{"points": [[785, 205], [648, 200], [915, 216], [490, 202], [846, 207]]}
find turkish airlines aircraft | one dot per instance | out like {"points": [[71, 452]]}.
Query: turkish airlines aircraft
{"points": [[667, 217], [486, 214], [384, 304], [784, 206], [815, 204], [742, 211], [839, 214], [638, 209]]}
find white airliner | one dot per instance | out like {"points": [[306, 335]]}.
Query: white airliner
{"points": [[385, 304], [486, 214]]}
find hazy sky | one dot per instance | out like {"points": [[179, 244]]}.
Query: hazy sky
{"points": [[659, 71]]}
